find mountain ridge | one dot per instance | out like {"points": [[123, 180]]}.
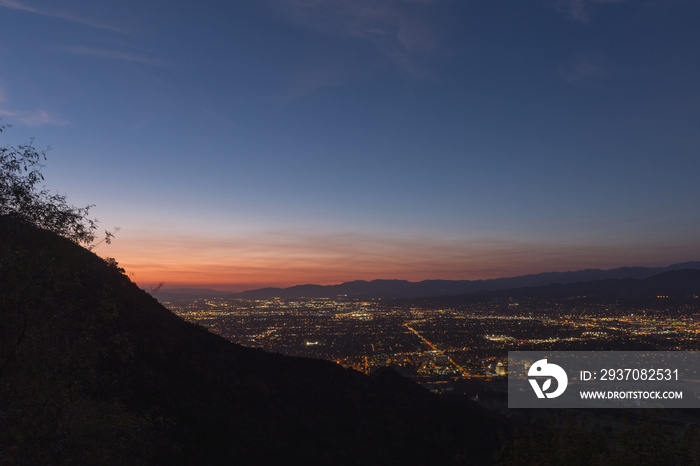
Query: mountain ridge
{"points": [[670, 287], [395, 288]]}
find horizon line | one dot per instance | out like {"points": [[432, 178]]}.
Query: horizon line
{"points": [[240, 288]]}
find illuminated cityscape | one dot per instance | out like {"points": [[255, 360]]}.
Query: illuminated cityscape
{"points": [[436, 346]]}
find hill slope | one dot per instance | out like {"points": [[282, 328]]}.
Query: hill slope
{"points": [[93, 370]]}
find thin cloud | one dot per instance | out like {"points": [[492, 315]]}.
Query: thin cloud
{"points": [[309, 79], [579, 10], [108, 54], [397, 28], [37, 118], [584, 71], [220, 118], [15, 5]]}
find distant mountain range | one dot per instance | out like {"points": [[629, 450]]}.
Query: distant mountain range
{"points": [[432, 288], [671, 287]]}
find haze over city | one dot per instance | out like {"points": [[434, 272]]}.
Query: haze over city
{"points": [[281, 142]]}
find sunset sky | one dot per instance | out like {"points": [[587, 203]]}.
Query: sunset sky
{"points": [[262, 143]]}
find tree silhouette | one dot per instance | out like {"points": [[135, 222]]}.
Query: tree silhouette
{"points": [[22, 196]]}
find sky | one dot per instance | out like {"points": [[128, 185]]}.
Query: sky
{"points": [[237, 145]]}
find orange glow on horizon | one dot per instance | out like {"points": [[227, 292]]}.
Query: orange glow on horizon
{"points": [[283, 260]]}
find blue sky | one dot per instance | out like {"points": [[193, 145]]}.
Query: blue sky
{"points": [[240, 144]]}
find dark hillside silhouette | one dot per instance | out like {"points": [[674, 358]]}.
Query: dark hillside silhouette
{"points": [[94, 370]]}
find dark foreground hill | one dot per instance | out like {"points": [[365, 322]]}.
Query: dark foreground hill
{"points": [[94, 371]]}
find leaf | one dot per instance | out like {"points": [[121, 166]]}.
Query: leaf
{"points": [[546, 384]]}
